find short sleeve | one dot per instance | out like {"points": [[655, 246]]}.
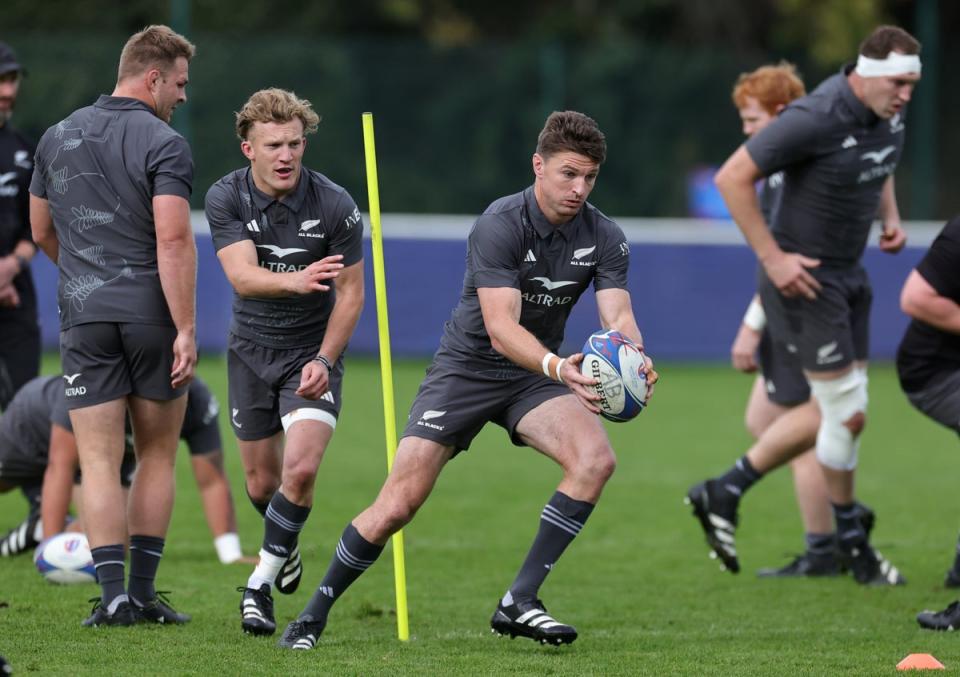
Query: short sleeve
{"points": [[170, 168], [942, 261], [791, 138], [494, 252], [347, 235], [38, 182], [223, 216], [613, 261], [59, 413]]}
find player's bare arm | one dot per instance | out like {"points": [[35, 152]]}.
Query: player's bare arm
{"points": [[63, 461], [501, 317], [921, 301], [892, 236], [788, 272], [177, 267], [249, 279], [41, 227], [315, 377], [616, 312], [743, 352]]}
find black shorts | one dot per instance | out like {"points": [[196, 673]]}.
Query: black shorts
{"points": [[104, 361], [830, 332], [940, 399], [454, 403], [262, 384], [782, 373], [19, 354], [18, 468]]}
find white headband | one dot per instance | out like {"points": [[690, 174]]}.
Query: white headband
{"points": [[894, 64]]}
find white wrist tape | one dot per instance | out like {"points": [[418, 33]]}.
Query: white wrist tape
{"points": [[755, 318], [546, 364], [559, 367], [228, 548], [894, 64]]}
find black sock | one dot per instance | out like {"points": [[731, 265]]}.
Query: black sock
{"points": [[849, 529], [561, 520], [354, 555], [820, 544], [260, 507], [282, 524], [740, 477], [108, 561], [145, 554], [32, 494]]}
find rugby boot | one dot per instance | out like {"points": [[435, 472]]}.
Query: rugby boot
{"points": [[530, 619], [716, 510]]}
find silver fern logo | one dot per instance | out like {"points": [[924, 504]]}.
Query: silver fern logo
{"points": [[85, 218]]}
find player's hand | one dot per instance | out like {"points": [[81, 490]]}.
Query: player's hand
{"points": [[743, 353], [314, 380], [789, 274], [184, 359], [8, 269], [652, 377], [892, 238], [311, 279], [580, 385], [9, 298]]}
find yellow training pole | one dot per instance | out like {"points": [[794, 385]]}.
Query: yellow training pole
{"points": [[386, 368]]}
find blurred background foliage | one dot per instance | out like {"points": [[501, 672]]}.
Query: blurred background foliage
{"points": [[459, 89]]}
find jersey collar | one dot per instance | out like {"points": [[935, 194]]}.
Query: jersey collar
{"points": [[293, 201], [540, 223], [122, 103], [860, 111]]}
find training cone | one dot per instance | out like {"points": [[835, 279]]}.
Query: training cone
{"points": [[920, 661]]}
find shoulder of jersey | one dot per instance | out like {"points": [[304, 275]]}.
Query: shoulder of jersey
{"points": [[321, 182], [505, 204]]}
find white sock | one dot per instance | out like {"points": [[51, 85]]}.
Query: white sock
{"points": [[266, 571]]}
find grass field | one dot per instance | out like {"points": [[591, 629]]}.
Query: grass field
{"points": [[637, 582]]}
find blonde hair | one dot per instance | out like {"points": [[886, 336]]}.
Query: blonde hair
{"points": [[771, 86], [153, 47], [275, 105]]}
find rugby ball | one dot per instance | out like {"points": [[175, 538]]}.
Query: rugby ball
{"points": [[65, 559], [617, 364]]}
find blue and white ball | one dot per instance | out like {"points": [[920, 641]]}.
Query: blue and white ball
{"points": [[65, 559], [617, 364]]}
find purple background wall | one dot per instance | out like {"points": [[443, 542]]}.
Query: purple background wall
{"points": [[688, 298]]}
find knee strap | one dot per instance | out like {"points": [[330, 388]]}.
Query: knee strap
{"points": [[840, 399]]}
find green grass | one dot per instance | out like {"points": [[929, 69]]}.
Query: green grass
{"points": [[636, 583]]}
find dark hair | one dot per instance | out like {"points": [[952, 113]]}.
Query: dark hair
{"points": [[572, 131], [153, 47], [886, 39], [771, 86]]}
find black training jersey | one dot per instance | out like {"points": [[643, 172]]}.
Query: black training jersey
{"points": [[925, 351], [25, 426], [835, 154], [318, 219], [16, 166], [771, 191], [100, 169], [513, 245]]}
